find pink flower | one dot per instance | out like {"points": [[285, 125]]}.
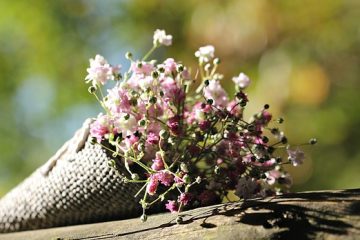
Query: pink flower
{"points": [[131, 140], [152, 138], [152, 185], [186, 74], [185, 198], [234, 108], [158, 163], [142, 67], [198, 112], [118, 100], [170, 66], [165, 177], [174, 125], [154, 111], [272, 176], [266, 116], [178, 180], [215, 92], [172, 206], [100, 71], [242, 80], [172, 92], [101, 127]]}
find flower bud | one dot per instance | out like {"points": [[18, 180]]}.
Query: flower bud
{"points": [[142, 122], [216, 61], [92, 89], [187, 179], [284, 140], [93, 140], [134, 176], [184, 167], [161, 69], [198, 180], [143, 217], [128, 55], [155, 74], [180, 68], [153, 100], [179, 220], [313, 141]]}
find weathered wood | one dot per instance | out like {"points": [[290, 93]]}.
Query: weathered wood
{"points": [[306, 215]]}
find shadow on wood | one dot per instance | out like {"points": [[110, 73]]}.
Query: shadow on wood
{"points": [[307, 215]]}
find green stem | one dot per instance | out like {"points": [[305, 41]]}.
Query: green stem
{"points": [[150, 52]]}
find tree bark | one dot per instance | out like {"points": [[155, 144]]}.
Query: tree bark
{"points": [[306, 215]]}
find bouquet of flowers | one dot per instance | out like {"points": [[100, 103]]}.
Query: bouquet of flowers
{"points": [[187, 147]]}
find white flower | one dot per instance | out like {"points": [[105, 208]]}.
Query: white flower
{"points": [[246, 188], [242, 80], [125, 125], [100, 71], [205, 54], [161, 38], [296, 157]]}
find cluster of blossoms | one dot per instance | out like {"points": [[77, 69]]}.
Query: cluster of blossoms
{"points": [[187, 147]]}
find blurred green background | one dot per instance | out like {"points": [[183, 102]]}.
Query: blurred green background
{"points": [[303, 57]]}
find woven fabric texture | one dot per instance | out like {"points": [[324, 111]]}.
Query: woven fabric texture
{"points": [[80, 188]]}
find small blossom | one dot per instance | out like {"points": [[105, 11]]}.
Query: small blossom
{"points": [[205, 54], [160, 38], [172, 91], [125, 124], [185, 198], [246, 188], [100, 71], [101, 127], [178, 180], [174, 126], [141, 67], [165, 177], [215, 92], [158, 163], [118, 100], [296, 157], [272, 176], [172, 206], [152, 185], [234, 108], [131, 140], [170, 66], [242, 80], [152, 138]]}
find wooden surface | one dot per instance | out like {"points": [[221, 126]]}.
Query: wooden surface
{"points": [[307, 215]]}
